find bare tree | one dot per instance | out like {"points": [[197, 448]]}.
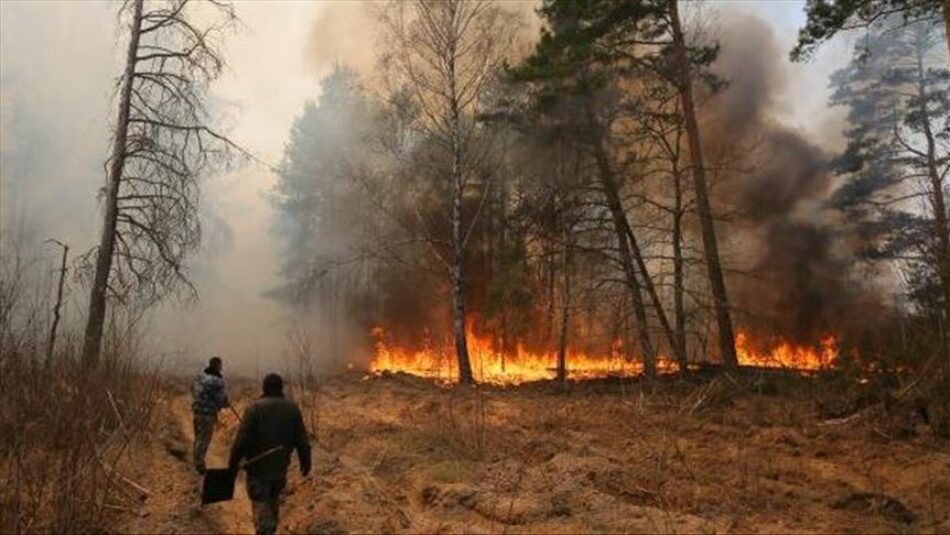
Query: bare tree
{"points": [[447, 51], [57, 308], [162, 145], [658, 134]]}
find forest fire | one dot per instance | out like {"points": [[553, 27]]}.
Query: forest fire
{"points": [[786, 354], [492, 366]]}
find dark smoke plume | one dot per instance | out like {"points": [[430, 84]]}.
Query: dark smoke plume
{"points": [[798, 281]]}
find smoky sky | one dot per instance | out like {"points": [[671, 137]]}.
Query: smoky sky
{"points": [[58, 63]]}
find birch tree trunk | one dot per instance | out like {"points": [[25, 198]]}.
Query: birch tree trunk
{"points": [[946, 23], [458, 187]]}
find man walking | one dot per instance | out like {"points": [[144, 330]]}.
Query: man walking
{"points": [[272, 426], [209, 395]]}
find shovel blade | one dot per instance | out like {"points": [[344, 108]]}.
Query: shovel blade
{"points": [[218, 486]]}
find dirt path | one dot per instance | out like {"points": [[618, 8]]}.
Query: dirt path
{"points": [[173, 505], [231, 516]]}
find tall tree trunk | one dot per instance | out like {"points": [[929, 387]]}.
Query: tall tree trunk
{"points": [[937, 201], [92, 342], [654, 295], [458, 289], [727, 343], [458, 237], [633, 251], [621, 227], [565, 317], [549, 280], [679, 313]]}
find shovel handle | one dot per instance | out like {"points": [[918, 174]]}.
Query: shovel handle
{"points": [[260, 456]]}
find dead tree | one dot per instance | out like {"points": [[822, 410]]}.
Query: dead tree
{"points": [[446, 51], [162, 145], [58, 306]]}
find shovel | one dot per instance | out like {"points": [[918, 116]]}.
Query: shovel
{"points": [[218, 485]]}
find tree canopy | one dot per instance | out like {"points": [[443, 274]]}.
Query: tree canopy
{"points": [[826, 18]]}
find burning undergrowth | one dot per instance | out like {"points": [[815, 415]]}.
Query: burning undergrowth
{"points": [[493, 366]]}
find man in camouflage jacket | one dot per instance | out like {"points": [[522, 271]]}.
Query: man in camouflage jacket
{"points": [[209, 395]]}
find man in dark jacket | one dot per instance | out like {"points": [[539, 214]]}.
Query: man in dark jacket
{"points": [[272, 424], [209, 395]]}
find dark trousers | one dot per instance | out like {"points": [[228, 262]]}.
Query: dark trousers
{"points": [[204, 429], [265, 503]]}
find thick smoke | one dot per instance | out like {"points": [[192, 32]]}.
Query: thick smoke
{"points": [[58, 64], [795, 276]]}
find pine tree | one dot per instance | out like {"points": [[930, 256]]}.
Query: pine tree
{"points": [[826, 18], [314, 190], [588, 44], [898, 152]]}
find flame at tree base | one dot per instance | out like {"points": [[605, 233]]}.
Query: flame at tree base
{"points": [[785, 354], [521, 365]]}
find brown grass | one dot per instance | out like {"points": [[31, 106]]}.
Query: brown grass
{"points": [[710, 455], [67, 434]]}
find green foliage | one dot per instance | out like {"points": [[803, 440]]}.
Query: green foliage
{"points": [[828, 17], [895, 91], [588, 43]]}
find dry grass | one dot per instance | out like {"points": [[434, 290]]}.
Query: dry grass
{"points": [[720, 455], [67, 434], [67, 437]]}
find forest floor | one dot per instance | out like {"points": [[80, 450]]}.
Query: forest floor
{"points": [[713, 455]]}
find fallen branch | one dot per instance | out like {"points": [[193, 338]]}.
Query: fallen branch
{"points": [[701, 394], [851, 418], [118, 507], [114, 474], [144, 491], [635, 493], [115, 409]]}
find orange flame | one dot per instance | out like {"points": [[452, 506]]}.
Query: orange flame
{"points": [[490, 365], [788, 355]]}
